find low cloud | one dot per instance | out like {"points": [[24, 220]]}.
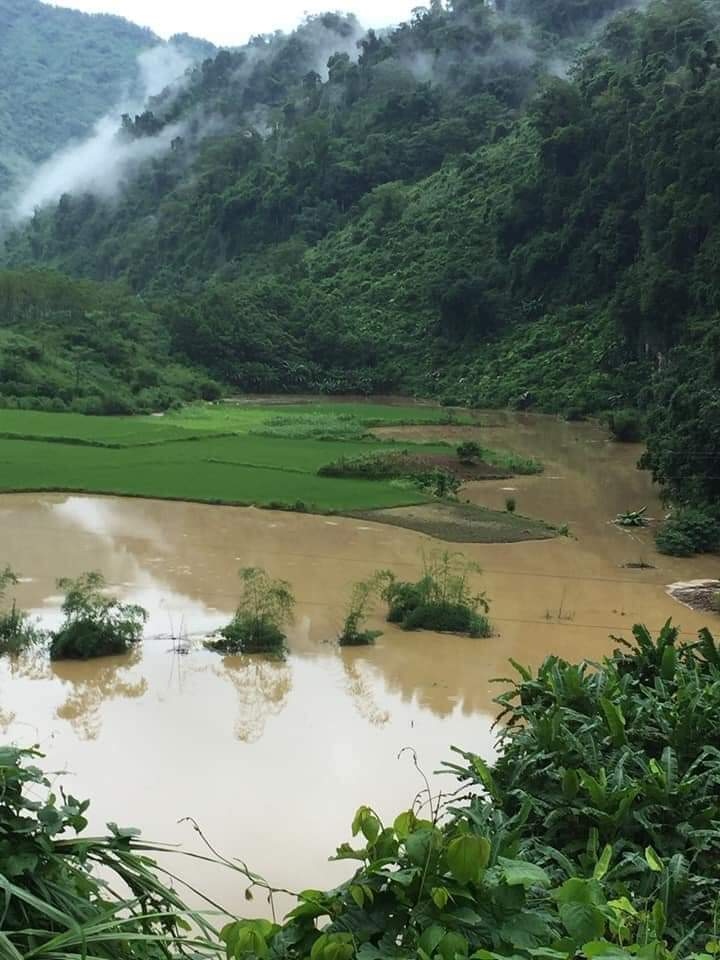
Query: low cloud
{"points": [[104, 162]]}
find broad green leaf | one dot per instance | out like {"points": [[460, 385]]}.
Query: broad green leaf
{"points": [[366, 822], [453, 945], [521, 873], [623, 905], [603, 950], [603, 864], [525, 930], [440, 897], [653, 860], [583, 921], [467, 857], [420, 845], [668, 664], [357, 893], [577, 890], [431, 937], [404, 824], [615, 721], [659, 919], [570, 784]]}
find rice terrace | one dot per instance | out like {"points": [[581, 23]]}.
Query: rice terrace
{"points": [[267, 455]]}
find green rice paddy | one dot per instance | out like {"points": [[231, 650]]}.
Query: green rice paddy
{"points": [[263, 454]]}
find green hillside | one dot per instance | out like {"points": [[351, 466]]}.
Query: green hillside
{"points": [[60, 70]]}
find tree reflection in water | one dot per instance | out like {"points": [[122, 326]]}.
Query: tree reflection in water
{"points": [[93, 682], [360, 689], [30, 664], [262, 686]]}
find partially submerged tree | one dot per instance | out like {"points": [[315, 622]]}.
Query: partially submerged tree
{"points": [[442, 599], [363, 593], [16, 631], [95, 625], [265, 607]]}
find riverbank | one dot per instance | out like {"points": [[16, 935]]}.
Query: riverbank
{"points": [[240, 455]]}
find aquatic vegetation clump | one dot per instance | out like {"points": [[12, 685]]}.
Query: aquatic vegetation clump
{"points": [[95, 624], [362, 595], [632, 518], [265, 607], [17, 633], [689, 530], [442, 599]]}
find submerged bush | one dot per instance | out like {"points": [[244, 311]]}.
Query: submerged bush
{"points": [[352, 634], [95, 625], [626, 426], [688, 531], [441, 600], [264, 608], [17, 633]]}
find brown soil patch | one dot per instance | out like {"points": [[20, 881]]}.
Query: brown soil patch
{"points": [[462, 523], [696, 594], [477, 470]]}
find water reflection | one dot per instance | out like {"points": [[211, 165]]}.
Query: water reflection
{"points": [[261, 686], [361, 688], [328, 723], [93, 684]]}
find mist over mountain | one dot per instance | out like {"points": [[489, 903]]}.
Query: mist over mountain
{"points": [[60, 73]]}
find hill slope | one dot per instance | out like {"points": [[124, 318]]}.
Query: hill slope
{"points": [[59, 71], [454, 208]]}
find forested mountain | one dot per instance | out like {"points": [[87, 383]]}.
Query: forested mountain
{"points": [[488, 203], [59, 71]]}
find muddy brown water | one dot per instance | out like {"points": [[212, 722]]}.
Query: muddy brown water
{"points": [[272, 759]]}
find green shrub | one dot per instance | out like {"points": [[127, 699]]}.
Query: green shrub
{"points": [[510, 504], [95, 625], [441, 600], [438, 482], [626, 426], [624, 758], [594, 836], [688, 531], [65, 891], [16, 631], [244, 634], [469, 451], [264, 608], [447, 618], [363, 592]]}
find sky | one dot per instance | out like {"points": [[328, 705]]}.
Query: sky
{"points": [[230, 22]]}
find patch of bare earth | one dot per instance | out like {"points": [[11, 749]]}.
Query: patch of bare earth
{"points": [[696, 594], [462, 523], [475, 470]]}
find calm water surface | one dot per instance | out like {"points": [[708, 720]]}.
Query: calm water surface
{"points": [[272, 759]]}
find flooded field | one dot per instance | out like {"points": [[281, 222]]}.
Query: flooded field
{"points": [[272, 759]]}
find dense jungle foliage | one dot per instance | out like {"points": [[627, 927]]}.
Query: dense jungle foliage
{"points": [[596, 834], [490, 204], [60, 70]]}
